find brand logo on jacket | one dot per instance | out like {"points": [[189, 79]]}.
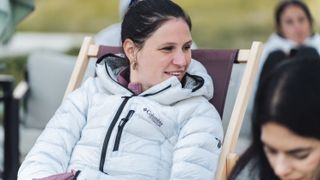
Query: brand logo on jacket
{"points": [[151, 115]]}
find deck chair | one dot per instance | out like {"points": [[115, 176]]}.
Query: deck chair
{"points": [[219, 65]]}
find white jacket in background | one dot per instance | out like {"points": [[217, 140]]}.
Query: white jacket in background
{"points": [[276, 42], [169, 131]]}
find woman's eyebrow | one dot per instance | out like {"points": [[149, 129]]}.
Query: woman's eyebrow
{"points": [[292, 151], [167, 44], [299, 150], [188, 42], [268, 145]]}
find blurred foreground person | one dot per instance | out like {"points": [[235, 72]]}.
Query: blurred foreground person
{"points": [[285, 123]]}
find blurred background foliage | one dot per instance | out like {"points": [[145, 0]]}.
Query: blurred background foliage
{"points": [[216, 23]]}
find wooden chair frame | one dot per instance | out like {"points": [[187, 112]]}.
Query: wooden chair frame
{"points": [[250, 56], [228, 156]]}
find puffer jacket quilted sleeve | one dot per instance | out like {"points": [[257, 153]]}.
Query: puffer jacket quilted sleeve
{"points": [[52, 150], [198, 148]]}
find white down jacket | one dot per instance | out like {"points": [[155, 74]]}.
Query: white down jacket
{"points": [[169, 131]]}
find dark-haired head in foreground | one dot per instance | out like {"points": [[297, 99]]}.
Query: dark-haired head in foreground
{"points": [[286, 120]]}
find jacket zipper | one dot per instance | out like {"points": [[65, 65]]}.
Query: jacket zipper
{"points": [[113, 123], [115, 119], [108, 135], [121, 125]]}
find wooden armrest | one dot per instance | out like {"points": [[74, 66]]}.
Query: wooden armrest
{"points": [[243, 55], [20, 91]]}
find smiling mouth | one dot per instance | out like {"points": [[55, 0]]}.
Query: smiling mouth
{"points": [[175, 73]]}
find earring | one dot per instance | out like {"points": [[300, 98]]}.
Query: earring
{"points": [[134, 64]]}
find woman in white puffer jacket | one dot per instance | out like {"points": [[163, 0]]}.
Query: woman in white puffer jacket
{"points": [[145, 116]]}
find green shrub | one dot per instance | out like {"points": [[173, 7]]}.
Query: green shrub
{"points": [[14, 66]]}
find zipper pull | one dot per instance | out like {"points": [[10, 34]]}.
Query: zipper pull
{"points": [[124, 120], [121, 125]]}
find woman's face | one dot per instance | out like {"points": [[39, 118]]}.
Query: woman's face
{"points": [[166, 53], [291, 156], [294, 24]]}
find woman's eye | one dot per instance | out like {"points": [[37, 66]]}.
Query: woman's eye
{"points": [[301, 156], [167, 49], [302, 20], [289, 22], [186, 48], [270, 150]]}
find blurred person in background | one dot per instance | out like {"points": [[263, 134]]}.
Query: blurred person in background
{"points": [[285, 124], [294, 28]]}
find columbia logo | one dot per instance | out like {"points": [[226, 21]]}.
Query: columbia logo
{"points": [[156, 120]]}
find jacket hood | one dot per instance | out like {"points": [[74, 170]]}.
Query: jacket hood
{"points": [[196, 82]]}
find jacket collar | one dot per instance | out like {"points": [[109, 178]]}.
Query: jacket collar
{"points": [[195, 83]]}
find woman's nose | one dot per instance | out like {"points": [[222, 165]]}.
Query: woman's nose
{"points": [[180, 59], [282, 166]]}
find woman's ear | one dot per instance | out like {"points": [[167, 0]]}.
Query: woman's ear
{"points": [[129, 48]]}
